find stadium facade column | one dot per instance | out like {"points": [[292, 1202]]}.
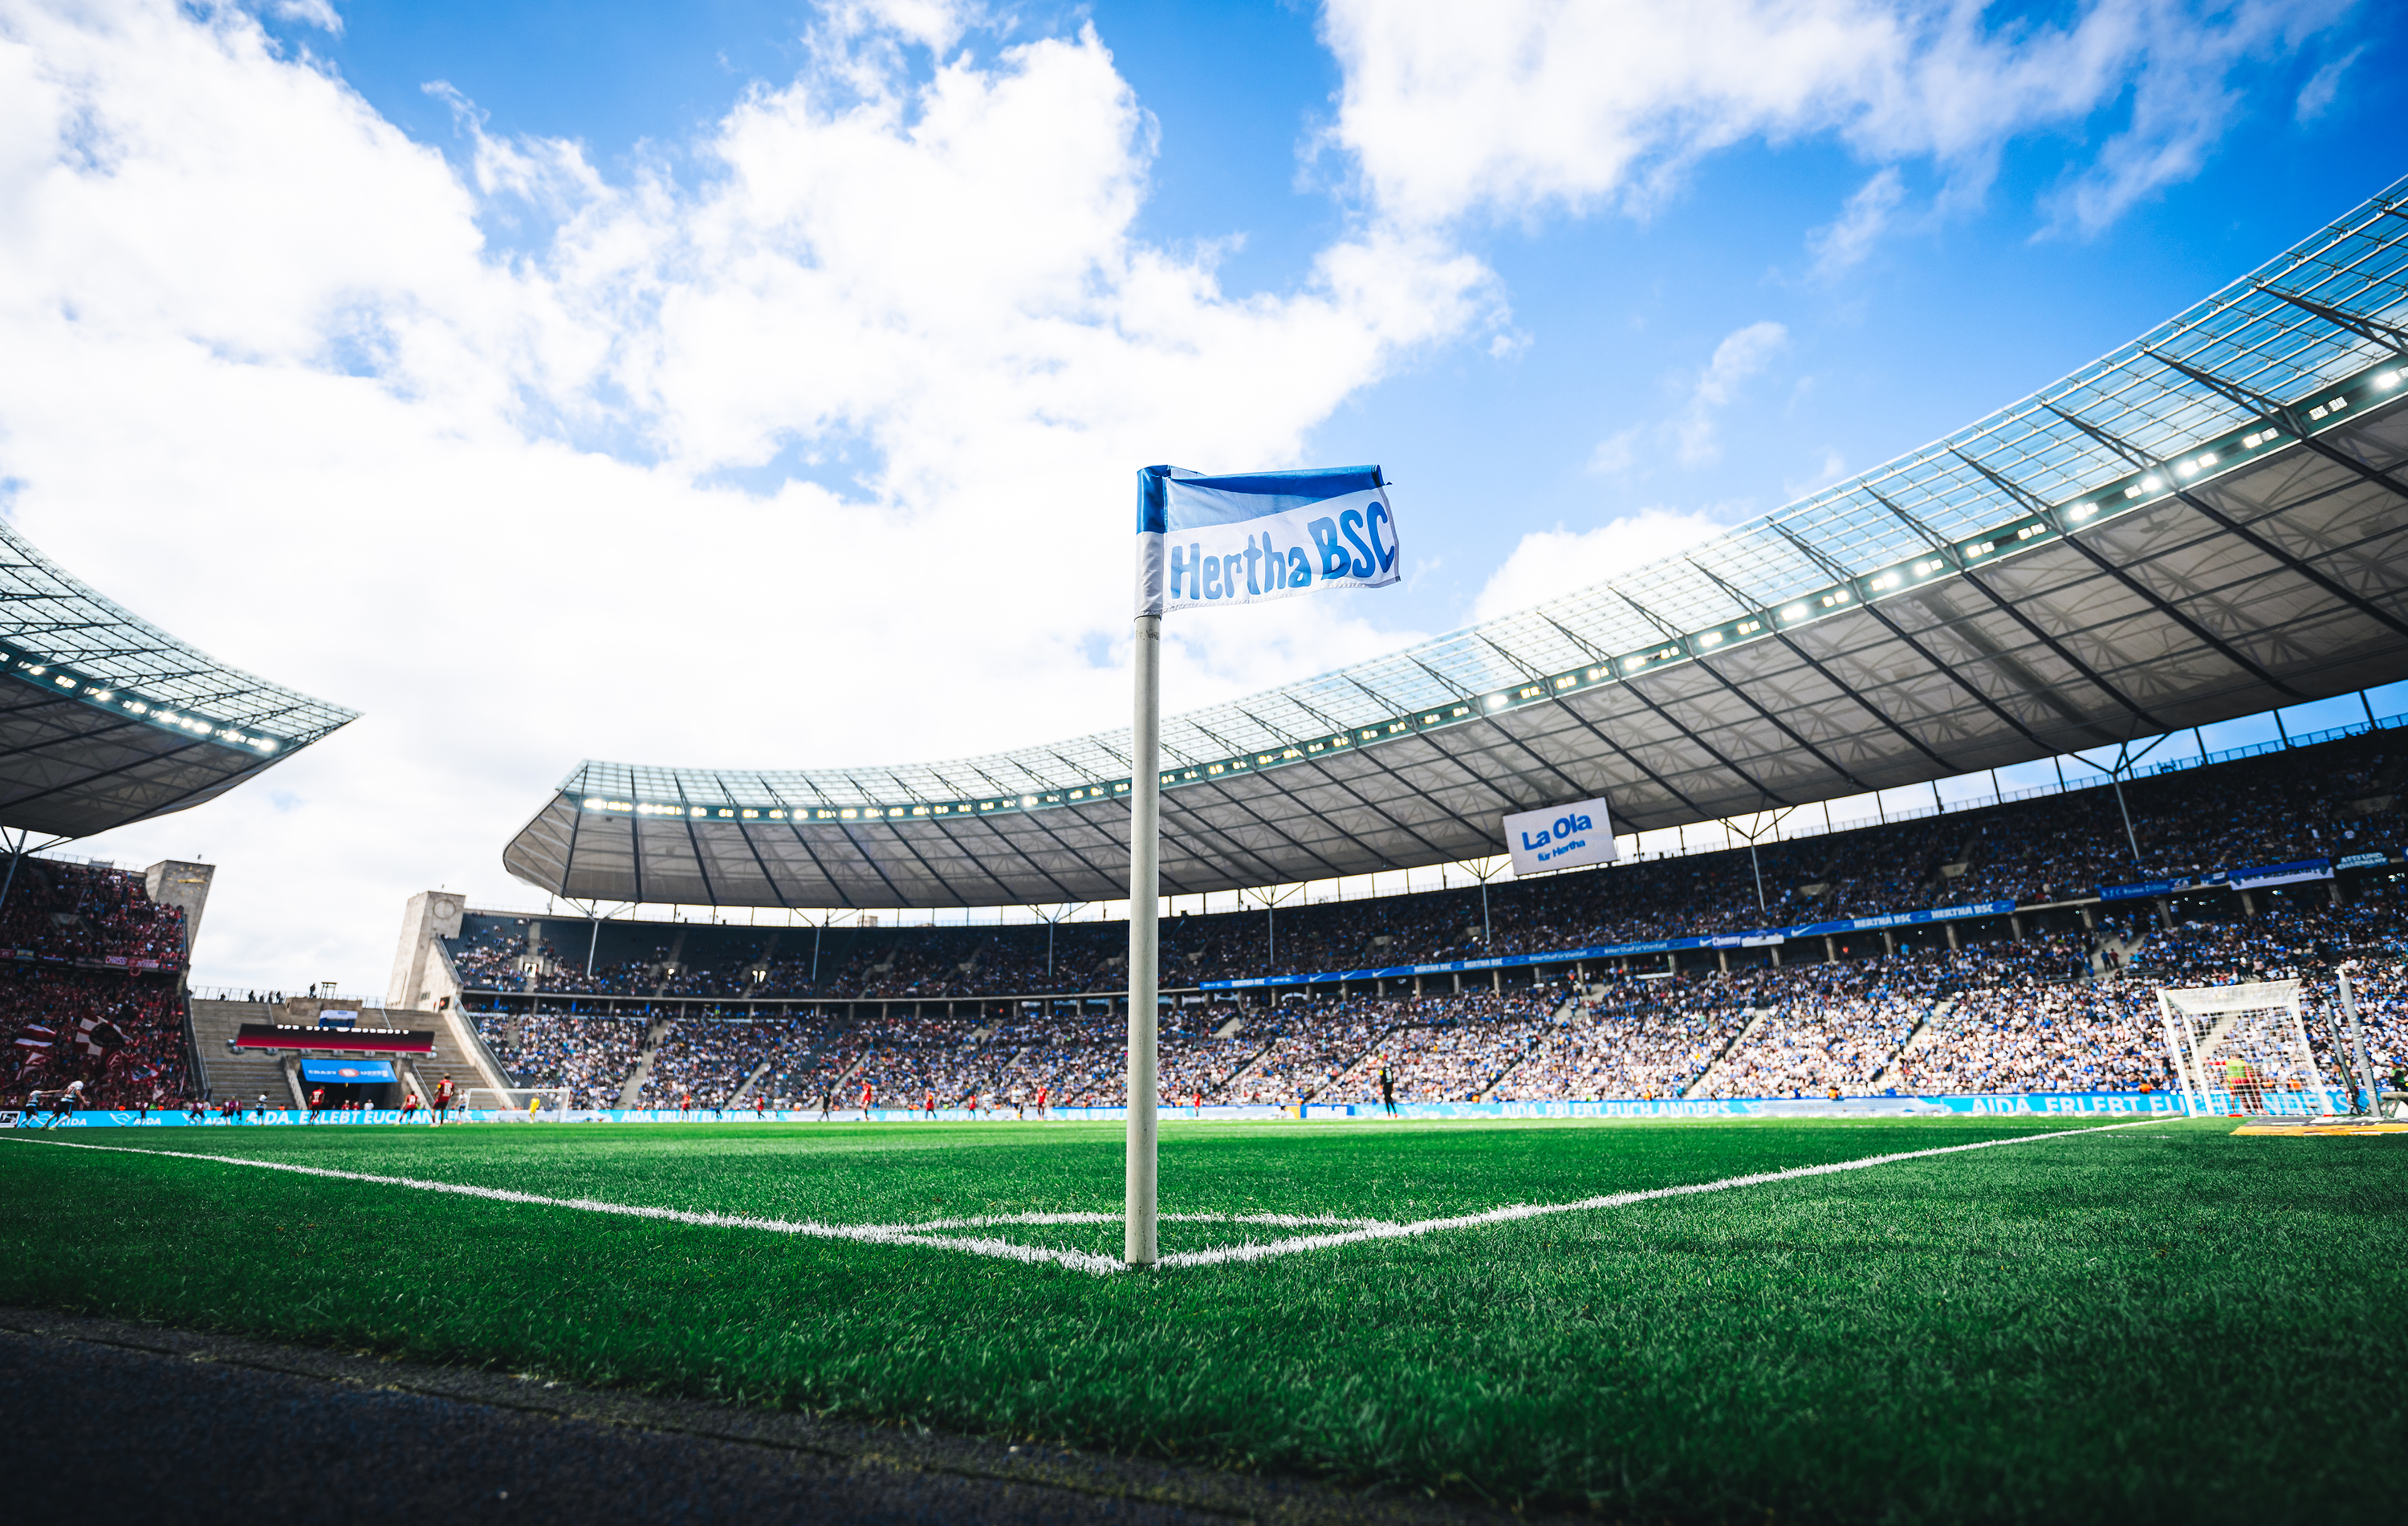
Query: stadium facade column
{"points": [[1137, 1246]]}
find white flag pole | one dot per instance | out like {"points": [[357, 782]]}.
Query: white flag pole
{"points": [[1145, 787]]}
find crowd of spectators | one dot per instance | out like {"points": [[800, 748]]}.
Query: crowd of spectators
{"points": [[2072, 1010], [592, 1057], [91, 992], [2045, 1013], [2336, 799], [88, 914]]}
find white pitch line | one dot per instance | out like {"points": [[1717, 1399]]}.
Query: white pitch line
{"points": [[882, 1234], [1255, 1250], [1282, 1221], [1251, 1250]]}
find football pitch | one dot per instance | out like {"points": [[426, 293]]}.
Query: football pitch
{"points": [[2164, 1321]]}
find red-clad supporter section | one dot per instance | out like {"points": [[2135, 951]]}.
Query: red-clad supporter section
{"points": [[91, 986]]}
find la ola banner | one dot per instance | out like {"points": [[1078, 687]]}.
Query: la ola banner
{"points": [[1561, 837], [1208, 542]]}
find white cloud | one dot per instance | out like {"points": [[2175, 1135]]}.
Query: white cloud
{"points": [[1830, 470], [1743, 354], [318, 13], [1846, 243], [269, 385], [1518, 106], [2324, 87], [1614, 454], [1558, 561]]}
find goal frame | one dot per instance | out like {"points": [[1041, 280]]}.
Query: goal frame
{"points": [[511, 1102], [2201, 1022]]}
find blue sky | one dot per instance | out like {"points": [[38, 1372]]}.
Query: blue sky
{"points": [[759, 385], [1616, 312]]}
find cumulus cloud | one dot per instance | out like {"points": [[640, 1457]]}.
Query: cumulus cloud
{"points": [[1558, 561], [1515, 106], [274, 383]]}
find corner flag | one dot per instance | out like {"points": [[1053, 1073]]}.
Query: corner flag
{"points": [[1263, 535], [1201, 542]]}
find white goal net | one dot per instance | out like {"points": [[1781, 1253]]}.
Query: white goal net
{"points": [[2243, 1049], [535, 1104]]}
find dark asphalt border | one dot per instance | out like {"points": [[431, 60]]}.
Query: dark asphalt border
{"points": [[1056, 1482]]}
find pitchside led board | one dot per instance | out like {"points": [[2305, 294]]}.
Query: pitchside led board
{"points": [[1561, 837]]}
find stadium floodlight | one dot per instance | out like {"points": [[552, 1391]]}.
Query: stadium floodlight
{"points": [[2243, 1048]]}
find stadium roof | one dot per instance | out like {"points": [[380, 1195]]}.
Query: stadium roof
{"points": [[107, 720], [2206, 523]]}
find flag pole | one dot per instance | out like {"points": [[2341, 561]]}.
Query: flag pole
{"points": [[1145, 787]]}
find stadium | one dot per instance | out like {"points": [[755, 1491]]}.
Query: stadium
{"points": [[2021, 1152]]}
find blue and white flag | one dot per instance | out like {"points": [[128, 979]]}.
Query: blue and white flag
{"points": [[1203, 541]]}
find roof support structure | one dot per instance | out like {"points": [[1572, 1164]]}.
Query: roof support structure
{"points": [[1764, 612], [1946, 670], [2234, 527], [2008, 607], [2065, 533]]}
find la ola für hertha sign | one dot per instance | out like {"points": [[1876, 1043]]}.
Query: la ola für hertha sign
{"points": [[1560, 837]]}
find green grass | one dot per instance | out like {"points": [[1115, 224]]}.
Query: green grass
{"points": [[2158, 1323]]}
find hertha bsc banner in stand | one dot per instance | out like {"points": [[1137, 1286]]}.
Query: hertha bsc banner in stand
{"points": [[1203, 541]]}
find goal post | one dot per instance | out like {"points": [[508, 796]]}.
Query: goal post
{"points": [[2243, 1048], [534, 1104]]}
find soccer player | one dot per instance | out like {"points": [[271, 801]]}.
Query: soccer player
{"points": [[317, 1102], [442, 1098], [1040, 1102], [69, 1101], [865, 1101], [1388, 1091], [930, 1106]]}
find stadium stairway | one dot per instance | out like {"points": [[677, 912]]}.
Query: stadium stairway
{"points": [[1757, 1017], [246, 1075], [632, 1089], [1538, 1042], [1926, 1033], [744, 1092], [1226, 1090], [241, 1075]]}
